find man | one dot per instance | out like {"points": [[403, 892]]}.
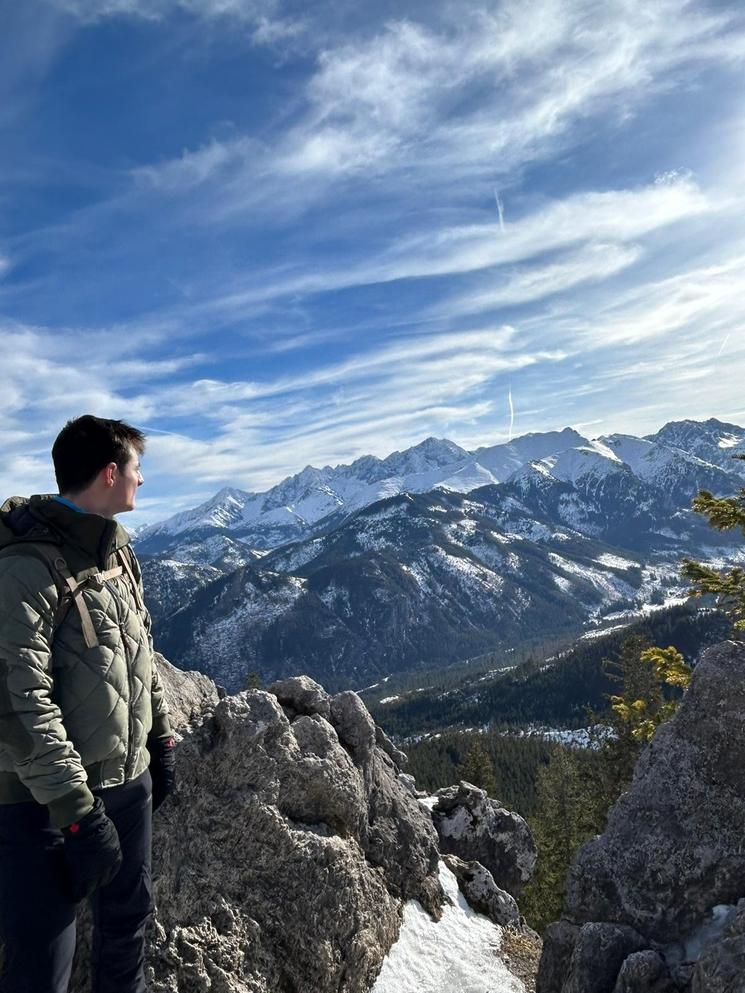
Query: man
{"points": [[86, 751]]}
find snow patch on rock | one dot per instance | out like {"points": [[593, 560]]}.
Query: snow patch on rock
{"points": [[462, 951]]}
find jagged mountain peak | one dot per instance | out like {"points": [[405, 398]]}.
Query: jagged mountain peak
{"points": [[505, 459], [723, 434], [228, 493], [713, 441], [294, 507], [593, 459], [222, 510], [428, 454]]}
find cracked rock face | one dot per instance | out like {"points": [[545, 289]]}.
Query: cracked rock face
{"points": [[672, 849], [476, 828], [478, 887], [283, 859]]}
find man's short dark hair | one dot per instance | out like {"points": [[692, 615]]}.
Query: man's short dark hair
{"points": [[86, 444]]}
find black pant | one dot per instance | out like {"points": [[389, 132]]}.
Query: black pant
{"points": [[37, 918]]}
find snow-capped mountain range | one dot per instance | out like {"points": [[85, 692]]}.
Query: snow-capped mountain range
{"points": [[435, 554], [295, 507]]}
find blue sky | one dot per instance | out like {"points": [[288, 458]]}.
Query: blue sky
{"points": [[278, 234]]}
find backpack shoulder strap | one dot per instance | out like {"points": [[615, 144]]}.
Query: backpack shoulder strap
{"points": [[69, 587], [128, 561], [75, 586]]}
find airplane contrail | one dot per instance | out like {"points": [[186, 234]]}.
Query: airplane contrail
{"points": [[512, 411], [500, 211], [723, 346]]}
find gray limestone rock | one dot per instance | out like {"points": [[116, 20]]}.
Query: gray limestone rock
{"points": [[559, 940], [282, 861], [644, 972], [476, 828], [354, 725], [597, 957], [672, 849], [303, 695], [189, 695], [478, 887], [383, 741], [409, 783]]}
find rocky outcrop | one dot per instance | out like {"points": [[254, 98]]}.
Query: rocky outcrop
{"points": [[294, 847], [477, 829], [644, 972], [284, 858], [672, 852]]}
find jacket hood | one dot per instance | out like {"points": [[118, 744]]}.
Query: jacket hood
{"points": [[40, 518]]}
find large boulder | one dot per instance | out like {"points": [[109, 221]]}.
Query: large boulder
{"points": [[302, 695], [597, 956], [285, 857], [478, 829], [672, 850], [644, 972]]}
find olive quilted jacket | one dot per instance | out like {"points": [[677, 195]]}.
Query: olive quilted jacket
{"points": [[78, 694]]}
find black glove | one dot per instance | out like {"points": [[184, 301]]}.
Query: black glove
{"points": [[162, 767], [92, 852]]}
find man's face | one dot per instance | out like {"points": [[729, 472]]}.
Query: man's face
{"points": [[126, 480]]}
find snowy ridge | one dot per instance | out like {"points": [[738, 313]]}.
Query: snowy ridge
{"points": [[682, 455]]}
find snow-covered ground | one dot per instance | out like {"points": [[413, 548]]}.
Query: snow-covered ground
{"points": [[457, 954]]}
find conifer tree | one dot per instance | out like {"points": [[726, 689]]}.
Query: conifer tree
{"points": [[648, 677], [559, 828], [728, 585], [478, 768]]}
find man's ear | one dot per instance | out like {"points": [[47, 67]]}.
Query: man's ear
{"points": [[109, 472]]}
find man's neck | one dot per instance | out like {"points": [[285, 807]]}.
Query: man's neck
{"points": [[86, 503]]}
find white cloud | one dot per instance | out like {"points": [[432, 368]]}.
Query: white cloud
{"points": [[485, 93], [485, 351], [592, 263], [541, 68], [153, 10], [193, 167], [599, 218], [260, 18], [708, 300]]}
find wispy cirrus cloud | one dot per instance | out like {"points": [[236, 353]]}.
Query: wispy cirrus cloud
{"points": [[708, 300], [91, 11], [604, 221], [294, 254], [592, 263], [450, 100]]}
